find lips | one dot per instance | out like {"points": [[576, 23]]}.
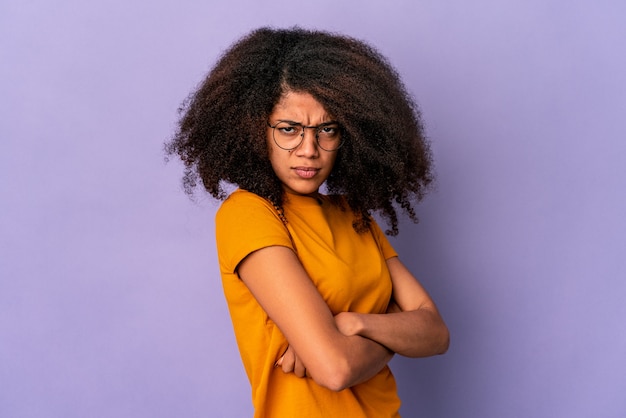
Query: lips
{"points": [[306, 172]]}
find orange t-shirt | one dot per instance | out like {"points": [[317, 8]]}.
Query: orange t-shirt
{"points": [[349, 271]]}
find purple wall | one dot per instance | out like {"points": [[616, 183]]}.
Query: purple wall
{"points": [[110, 299]]}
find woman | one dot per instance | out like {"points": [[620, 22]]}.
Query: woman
{"points": [[319, 300]]}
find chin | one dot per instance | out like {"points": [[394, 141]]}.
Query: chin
{"points": [[302, 190]]}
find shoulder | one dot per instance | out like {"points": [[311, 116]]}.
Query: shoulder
{"points": [[381, 239], [245, 211], [241, 202], [245, 223], [241, 196]]}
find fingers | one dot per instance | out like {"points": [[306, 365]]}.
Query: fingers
{"points": [[299, 369], [290, 363], [279, 362]]}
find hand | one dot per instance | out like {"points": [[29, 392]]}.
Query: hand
{"points": [[348, 323], [290, 363]]}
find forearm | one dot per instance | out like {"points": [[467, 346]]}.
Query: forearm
{"points": [[364, 359], [350, 361], [417, 333]]}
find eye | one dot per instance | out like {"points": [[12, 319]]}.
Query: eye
{"points": [[328, 131], [288, 129]]}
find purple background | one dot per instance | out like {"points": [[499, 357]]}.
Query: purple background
{"points": [[110, 298]]}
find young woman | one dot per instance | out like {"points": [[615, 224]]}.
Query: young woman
{"points": [[319, 300]]}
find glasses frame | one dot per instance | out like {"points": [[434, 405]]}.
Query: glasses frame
{"points": [[304, 127]]}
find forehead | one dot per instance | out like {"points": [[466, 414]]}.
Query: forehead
{"points": [[299, 107]]}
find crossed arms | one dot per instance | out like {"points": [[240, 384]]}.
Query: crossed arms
{"points": [[341, 351]]}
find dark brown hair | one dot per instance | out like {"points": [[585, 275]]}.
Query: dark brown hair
{"points": [[385, 161]]}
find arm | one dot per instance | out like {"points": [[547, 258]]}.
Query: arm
{"points": [[414, 330], [282, 287]]}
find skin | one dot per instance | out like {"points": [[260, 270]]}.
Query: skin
{"points": [[343, 350], [303, 169]]}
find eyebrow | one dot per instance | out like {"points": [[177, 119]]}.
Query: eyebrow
{"points": [[291, 122]]}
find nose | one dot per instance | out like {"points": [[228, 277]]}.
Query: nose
{"points": [[308, 147]]}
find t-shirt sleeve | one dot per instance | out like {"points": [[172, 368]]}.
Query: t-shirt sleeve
{"points": [[246, 223], [385, 246]]}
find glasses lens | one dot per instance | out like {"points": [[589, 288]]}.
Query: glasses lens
{"points": [[287, 136], [329, 137]]}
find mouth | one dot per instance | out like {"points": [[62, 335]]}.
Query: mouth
{"points": [[306, 172]]}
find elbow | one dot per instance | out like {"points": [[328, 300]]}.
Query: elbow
{"points": [[443, 340], [436, 342], [336, 384], [439, 337], [335, 375]]}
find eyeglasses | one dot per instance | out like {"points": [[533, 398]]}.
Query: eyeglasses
{"points": [[289, 135]]}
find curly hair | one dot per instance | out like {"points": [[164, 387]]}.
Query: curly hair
{"points": [[385, 161]]}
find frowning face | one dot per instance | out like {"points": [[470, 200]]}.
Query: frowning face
{"points": [[303, 169]]}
